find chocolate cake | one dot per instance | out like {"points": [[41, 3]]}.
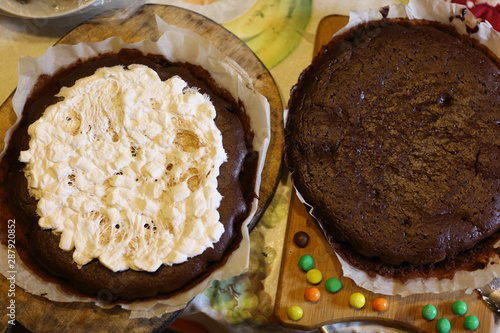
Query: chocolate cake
{"points": [[393, 139], [236, 182]]}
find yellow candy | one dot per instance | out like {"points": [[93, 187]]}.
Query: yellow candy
{"points": [[357, 300], [314, 276], [294, 312]]}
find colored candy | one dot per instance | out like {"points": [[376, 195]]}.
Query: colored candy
{"points": [[429, 312], [312, 294], [443, 325], [471, 322], [306, 262], [380, 304], [333, 285], [314, 276], [357, 300], [459, 308], [301, 239], [294, 312]]}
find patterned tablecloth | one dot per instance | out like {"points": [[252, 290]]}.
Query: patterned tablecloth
{"points": [[281, 33]]}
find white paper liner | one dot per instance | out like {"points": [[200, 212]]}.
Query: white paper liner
{"points": [[463, 280], [175, 44], [440, 11]]}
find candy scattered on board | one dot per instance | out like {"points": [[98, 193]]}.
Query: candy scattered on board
{"points": [[429, 312], [301, 239], [459, 308], [295, 312], [314, 276], [357, 300], [380, 304], [312, 294], [306, 262], [333, 285], [443, 325], [471, 322]]}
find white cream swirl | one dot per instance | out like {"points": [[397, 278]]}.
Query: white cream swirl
{"points": [[125, 169]]}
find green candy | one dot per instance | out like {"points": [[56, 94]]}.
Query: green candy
{"points": [[306, 262], [429, 312], [459, 308], [333, 285], [471, 322], [443, 325]]}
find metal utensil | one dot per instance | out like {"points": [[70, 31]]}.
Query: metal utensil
{"points": [[491, 295]]}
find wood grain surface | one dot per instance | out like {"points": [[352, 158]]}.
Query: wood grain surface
{"points": [[404, 313], [40, 315]]}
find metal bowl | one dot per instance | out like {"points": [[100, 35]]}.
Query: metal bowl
{"points": [[42, 9]]}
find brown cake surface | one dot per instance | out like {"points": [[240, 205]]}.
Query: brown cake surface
{"points": [[235, 184], [393, 138]]}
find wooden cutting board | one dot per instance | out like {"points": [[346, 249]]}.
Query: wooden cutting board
{"points": [[40, 315], [403, 312]]}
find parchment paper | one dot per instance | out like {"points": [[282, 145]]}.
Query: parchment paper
{"points": [[175, 44], [440, 11]]}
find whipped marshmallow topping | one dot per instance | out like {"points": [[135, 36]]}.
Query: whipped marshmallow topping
{"points": [[125, 169]]}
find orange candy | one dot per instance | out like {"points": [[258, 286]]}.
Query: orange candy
{"points": [[312, 294], [380, 304]]}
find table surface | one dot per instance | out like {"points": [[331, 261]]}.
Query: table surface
{"points": [[22, 36]]}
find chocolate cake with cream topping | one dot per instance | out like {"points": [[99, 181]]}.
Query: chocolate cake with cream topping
{"points": [[393, 139], [235, 183]]}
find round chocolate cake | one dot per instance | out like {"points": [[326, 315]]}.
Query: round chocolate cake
{"points": [[393, 139], [110, 273]]}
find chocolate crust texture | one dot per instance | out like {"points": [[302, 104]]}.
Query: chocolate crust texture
{"points": [[393, 139]]}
